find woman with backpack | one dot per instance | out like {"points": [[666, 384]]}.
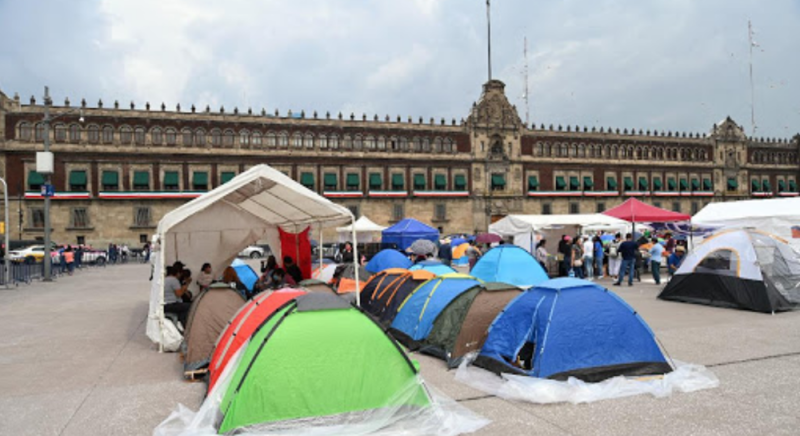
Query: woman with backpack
{"points": [[614, 258]]}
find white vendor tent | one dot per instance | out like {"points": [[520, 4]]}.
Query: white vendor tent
{"points": [[527, 229], [776, 216], [366, 231], [217, 225]]}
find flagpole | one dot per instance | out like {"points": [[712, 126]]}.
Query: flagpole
{"points": [[489, 37], [752, 87]]}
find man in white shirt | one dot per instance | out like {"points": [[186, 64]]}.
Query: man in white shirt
{"points": [[656, 253], [588, 257]]}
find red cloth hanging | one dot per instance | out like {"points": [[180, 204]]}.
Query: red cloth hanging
{"points": [[297, 245]]}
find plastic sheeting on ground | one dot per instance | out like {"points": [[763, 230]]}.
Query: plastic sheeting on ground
{"points": [[686, 377], [443, 417]]}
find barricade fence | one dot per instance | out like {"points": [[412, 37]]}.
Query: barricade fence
{"points": [[25, 272]]}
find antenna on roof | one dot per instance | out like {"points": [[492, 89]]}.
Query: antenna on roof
{"points": [[525, 73], [489, 37], [752, 44]]}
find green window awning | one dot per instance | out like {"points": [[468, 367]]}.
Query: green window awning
{"points": [[611, 183], [733, 184], [755, 185], [227, 176], [419, 181], [695, 185], [628, 184], [498, 180], [560, 183], [574, 184], [588, 184], [200, 179], [398, 182], [657, 185], [767, 186], [781, 185], [440, 182], [330, 181], [671, 184], [77, 178], [110, 178], [35, 179], [792, 186], [141, 178], [707, 185], [307, 180], [643, 185], [352, 180], [171, 179], [460, 182], [533, 183], [684, 184], [375, 181]]}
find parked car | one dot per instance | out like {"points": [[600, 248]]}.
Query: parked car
{"points": [[31, 254], [256, 251]]}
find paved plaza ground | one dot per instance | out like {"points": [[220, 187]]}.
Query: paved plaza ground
{"points": [[74, 360]]}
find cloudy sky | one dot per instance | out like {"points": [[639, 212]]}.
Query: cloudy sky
{"points": [[658, 64]]}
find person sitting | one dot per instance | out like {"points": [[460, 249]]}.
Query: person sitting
{"points": [[230, 277], [173, 296], [205, 278], [271, 264], [280, 280], [674, 260], [293, 270], [186, 278]]}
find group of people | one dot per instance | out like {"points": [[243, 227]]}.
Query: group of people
{"points": [[592, 257], [275, 277]]}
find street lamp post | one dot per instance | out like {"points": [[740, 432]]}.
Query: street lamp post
{"points": [[6, 229]]}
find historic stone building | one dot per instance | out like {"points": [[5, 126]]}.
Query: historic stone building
{"points": [[121, 169]]}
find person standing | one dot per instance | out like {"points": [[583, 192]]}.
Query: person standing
{"points": [[576, 258], [347, 257], [565, 255], [446, 253], [656, 253], [674, 260], [598, 257], [146, 250], [541, 253], [588, 257], [614, 258], [69, 259], [627, 250], [473, 254], [669, 243]]}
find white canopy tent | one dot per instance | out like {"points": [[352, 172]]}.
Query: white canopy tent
{"points": [[528, 229], [365, 229], [776, 216], [217, 225]]}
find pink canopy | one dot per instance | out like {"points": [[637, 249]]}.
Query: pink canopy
{"points": [[635, 211]]}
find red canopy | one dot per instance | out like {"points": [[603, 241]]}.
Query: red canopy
{"points": [[635, 211]]}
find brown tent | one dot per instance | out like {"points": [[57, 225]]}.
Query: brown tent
{"points": [[463, 325], [210, 313]]}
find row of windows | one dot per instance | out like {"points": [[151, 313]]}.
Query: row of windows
{"points": [[773, 157], [79, 218], [77, 180], [399, 211], [228, 138], [375, 181], [629, 183], [600, 207], [614, 151]]}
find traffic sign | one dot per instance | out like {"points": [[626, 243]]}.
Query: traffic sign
{"points": [[48, 191]]}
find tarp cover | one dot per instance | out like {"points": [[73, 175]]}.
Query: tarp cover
{"points": [[776, 216], [636, 211], [405, 232]]}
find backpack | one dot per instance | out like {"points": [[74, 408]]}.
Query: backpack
{"points": [[613, 251]]}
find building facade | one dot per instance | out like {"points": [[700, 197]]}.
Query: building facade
{"points": [[120, 169]]}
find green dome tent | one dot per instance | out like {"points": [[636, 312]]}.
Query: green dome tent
{"points": [[318, 358]]}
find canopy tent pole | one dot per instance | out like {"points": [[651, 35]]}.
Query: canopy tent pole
{"points": [[160, 273], [320, 248], [356, 263]]}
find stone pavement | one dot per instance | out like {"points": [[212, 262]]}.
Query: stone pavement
{"points": [[74, 360]]}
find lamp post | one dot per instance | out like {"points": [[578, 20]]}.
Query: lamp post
{"points": [[6, 229]]}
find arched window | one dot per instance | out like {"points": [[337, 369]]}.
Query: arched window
{"points": [[347, 142], [403, 143], [256, 139], [381, 143], [333, 142], [358, 142], [448, 145], [244, 138], [308, 140], [94, 134], [187, 137], [272, 141], [322, 141], [283, 139], [108, 135], [24, 132], [227, 138], [157, 136], [61, 133], [138, 135], [74, 133], [426, 144], [200, 138], [216, 138], [39, 132], [615, 152], [297, 140], [171, 136], [581, 150], [417, 144], [125, 135], [369, 143]]}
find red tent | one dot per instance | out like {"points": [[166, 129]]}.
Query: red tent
{"points": [[635, 211]]}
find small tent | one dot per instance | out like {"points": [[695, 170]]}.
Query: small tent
{"points": [[387, 258], [242, 325], [527, 230], [405, 232], [246, 274], [346, 276], [509, 264], [459, 248], [366, 231], [463, 325], [743, 269], [416, 314], [378, 284], [286, 372], [387, 290], [433, 266], [211, 311], [571, 328], [325, 272]]}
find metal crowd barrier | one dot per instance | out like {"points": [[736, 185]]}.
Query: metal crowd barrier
{"points": [[27, 272]]}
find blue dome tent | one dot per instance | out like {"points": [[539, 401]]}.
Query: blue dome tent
{"points": [[405, 232], [416, 315], [509, 264], [571, 328], [388, 258], [433, 266], [246, 274]]}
